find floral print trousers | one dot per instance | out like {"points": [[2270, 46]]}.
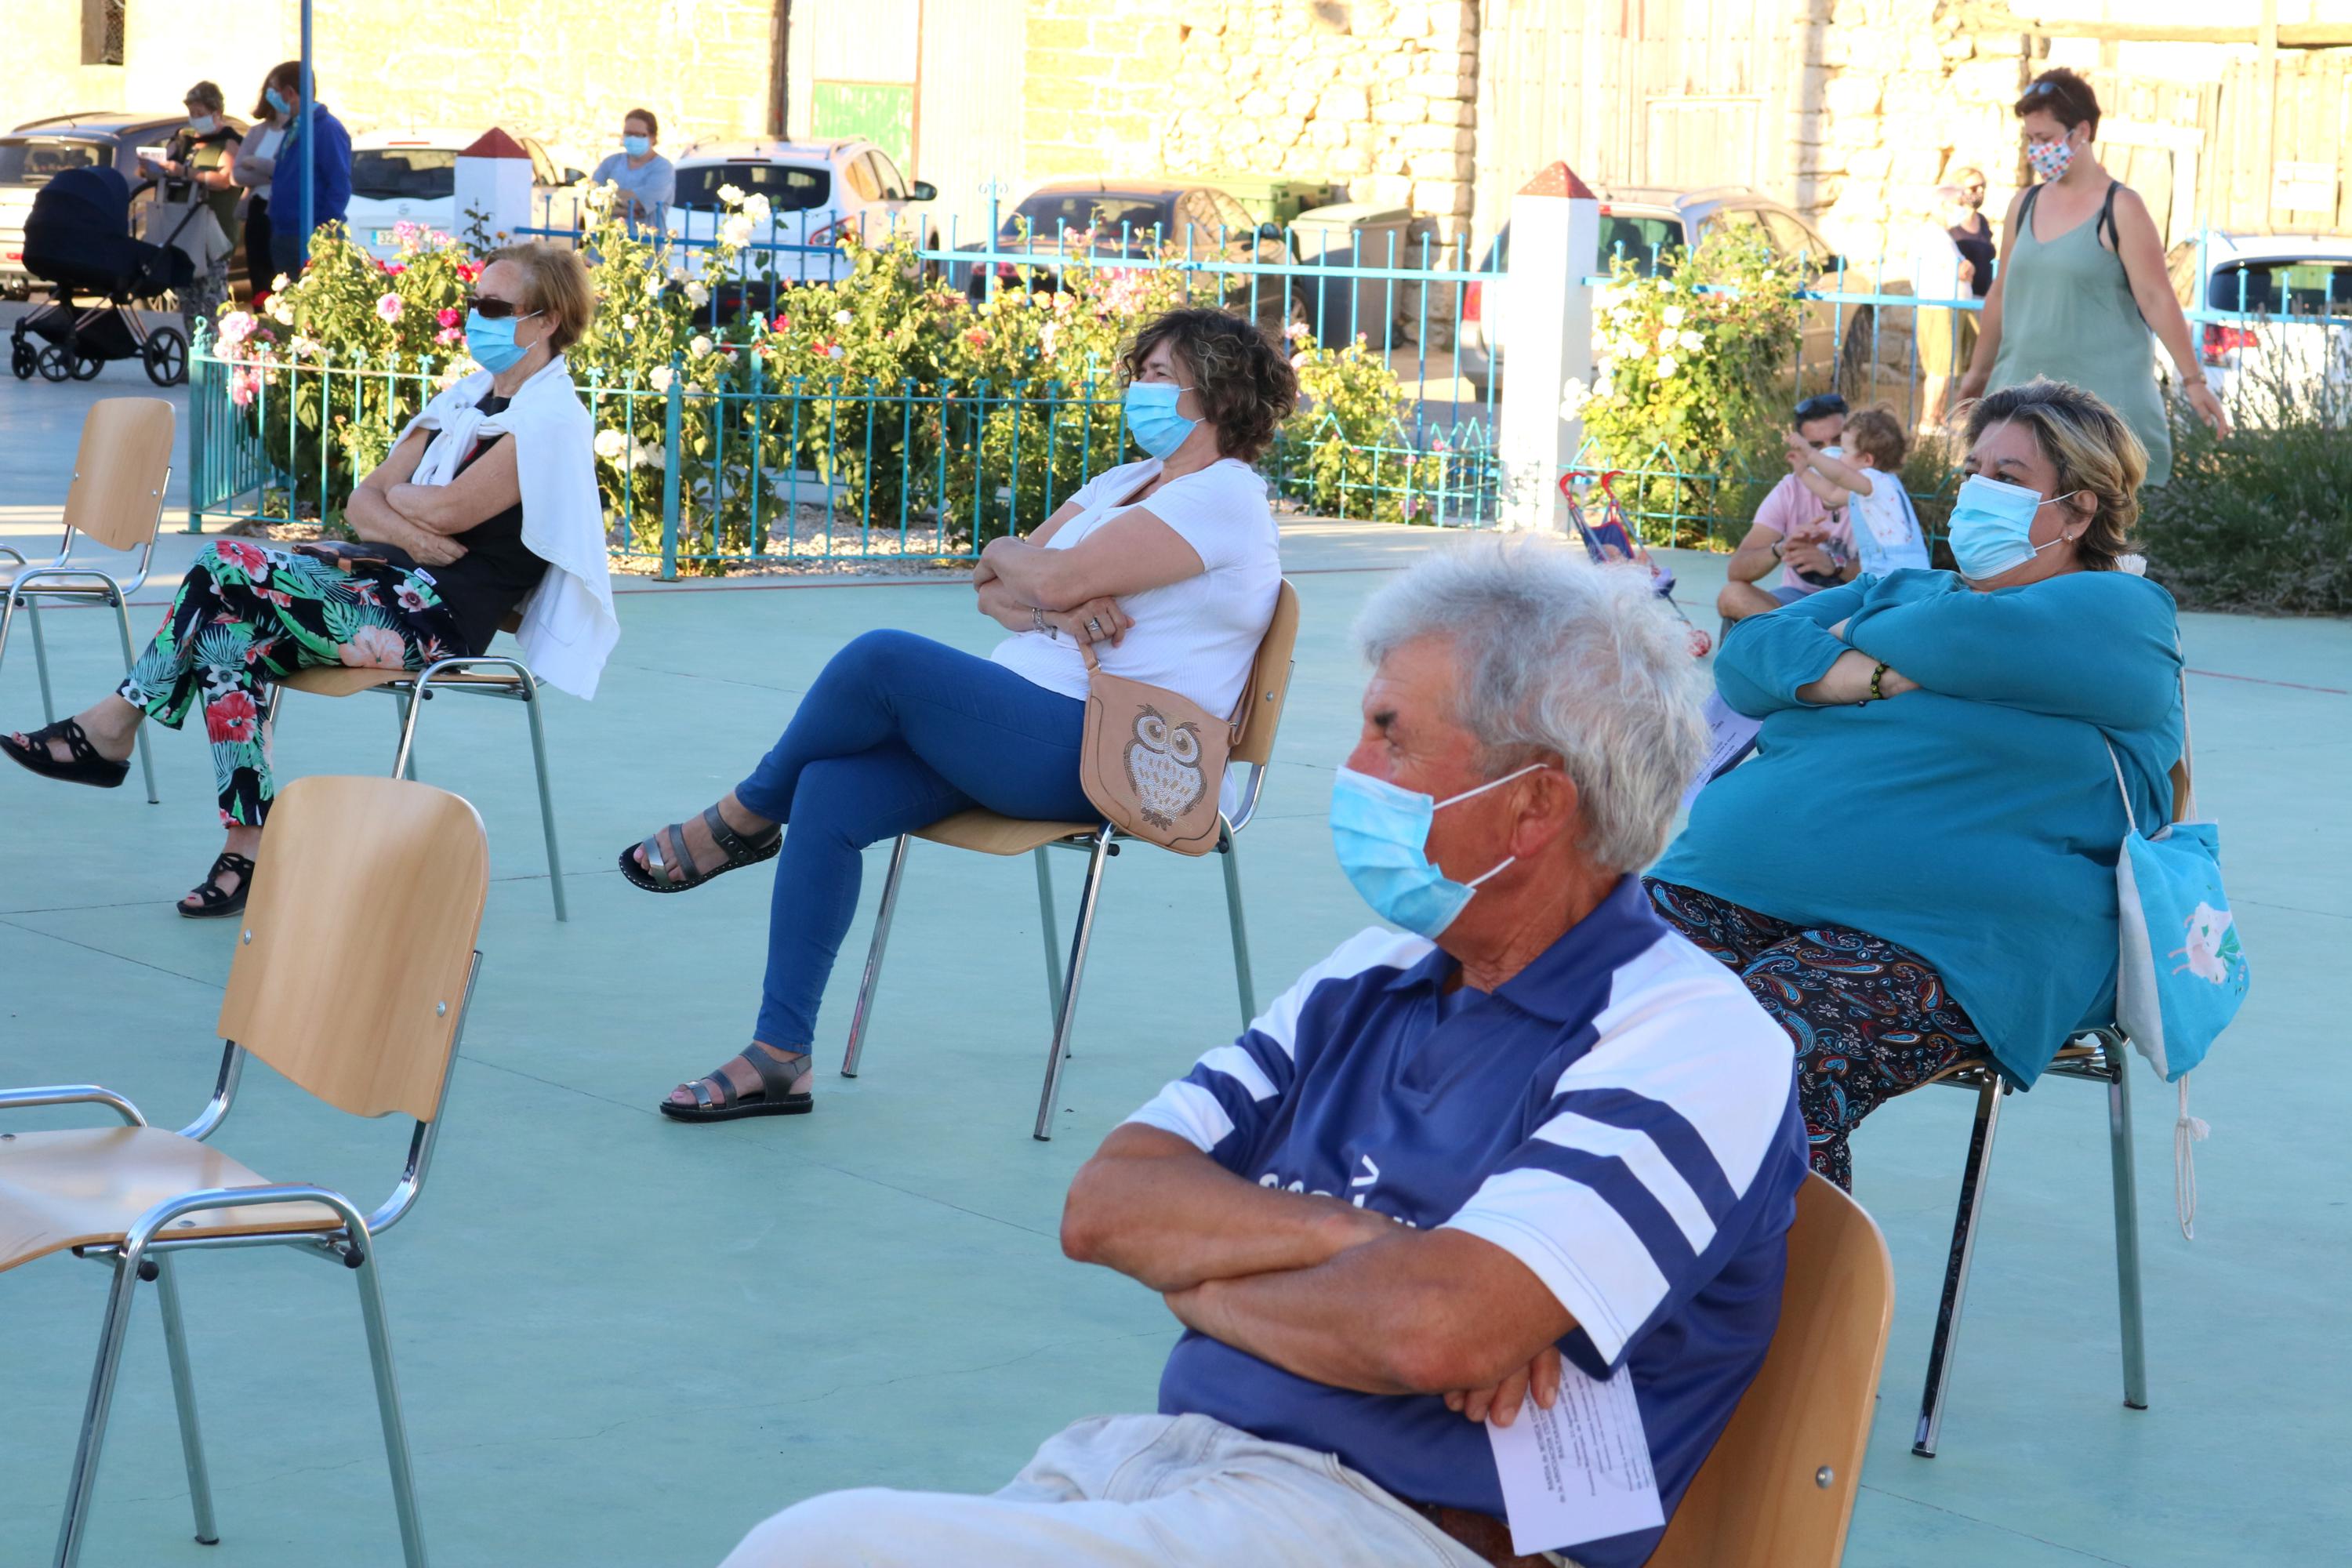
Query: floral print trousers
{"points": [[248, 615], [1869, 1020]]}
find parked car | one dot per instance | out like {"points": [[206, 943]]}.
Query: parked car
{"points": [[38, 150], [818, 192], [1141, 218], [2277, 319], [1649, 225], [411, 176]]}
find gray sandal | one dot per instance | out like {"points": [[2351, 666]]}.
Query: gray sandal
{"points": [[775, 1097], [677, 874]]}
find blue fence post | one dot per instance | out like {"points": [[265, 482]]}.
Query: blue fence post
{"points": [[198, 418], [673, 443]]}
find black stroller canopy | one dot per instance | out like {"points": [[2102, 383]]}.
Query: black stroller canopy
{"points": [[95, 201], [77, 235]]}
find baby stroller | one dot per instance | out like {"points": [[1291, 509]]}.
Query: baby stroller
{"points": [[1609, 542], [78, 239]]}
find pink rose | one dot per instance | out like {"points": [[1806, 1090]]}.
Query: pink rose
{"points": [[389, 307], [448, 316], [375, 647]]}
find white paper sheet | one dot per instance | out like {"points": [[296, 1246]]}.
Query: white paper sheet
{"points": [[1578, 1472]]}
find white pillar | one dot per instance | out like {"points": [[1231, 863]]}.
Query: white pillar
{"points": [[1547, 342], [494, 193]]}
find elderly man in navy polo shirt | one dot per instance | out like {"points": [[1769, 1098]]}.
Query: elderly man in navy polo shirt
{"points": [[1536, 1123]]}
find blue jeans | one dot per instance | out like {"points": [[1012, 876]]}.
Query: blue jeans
{"points": [[897, 732]]}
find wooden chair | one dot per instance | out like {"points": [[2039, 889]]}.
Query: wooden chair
{"points": [[1778, 1489], [2097, 1056], [492, 675], [990, 834], [354, 964], [120, 472]]}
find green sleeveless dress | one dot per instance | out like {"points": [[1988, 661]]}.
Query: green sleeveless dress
{"points": [[2066, 312]]}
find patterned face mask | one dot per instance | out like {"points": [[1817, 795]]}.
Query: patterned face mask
{"points": [[2050, 158]]}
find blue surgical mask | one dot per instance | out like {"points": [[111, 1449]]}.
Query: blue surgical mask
{"points": [[1991, 527], [492, 343], [1381, 832], [203, 124], [1152, 419], [277, 100], [636, 146]]}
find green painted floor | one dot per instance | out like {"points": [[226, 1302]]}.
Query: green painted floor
{"points": [[624, 1341]]}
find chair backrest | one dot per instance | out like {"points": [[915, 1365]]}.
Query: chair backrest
{"points": [[1269, 681], [116, 494], [1779, 1489], [354, 952]]}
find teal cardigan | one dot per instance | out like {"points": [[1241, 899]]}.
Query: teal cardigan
{"points": [[1974, 821]]}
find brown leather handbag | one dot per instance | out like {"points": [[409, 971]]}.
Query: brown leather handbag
{"points": [[1150, 760]]}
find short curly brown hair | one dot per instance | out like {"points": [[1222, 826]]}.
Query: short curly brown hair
{"points": [[1242, 378]]}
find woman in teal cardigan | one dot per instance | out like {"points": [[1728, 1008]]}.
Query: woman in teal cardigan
{"points": [[1917, 866]]}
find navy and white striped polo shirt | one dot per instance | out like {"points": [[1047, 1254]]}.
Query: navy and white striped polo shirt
{"points": [[1619, 1116]]}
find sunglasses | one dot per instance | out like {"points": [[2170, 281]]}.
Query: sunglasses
{"points": [[499, 309], [1819, 407]]}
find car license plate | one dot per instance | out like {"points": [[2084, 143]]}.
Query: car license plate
{"points": [[385, 237]]}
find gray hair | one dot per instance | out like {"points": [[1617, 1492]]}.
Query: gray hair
{"points": [[1565, 658]]}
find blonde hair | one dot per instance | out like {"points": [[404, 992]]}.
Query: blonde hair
{"points": [[2093, 450], [556, 282]]}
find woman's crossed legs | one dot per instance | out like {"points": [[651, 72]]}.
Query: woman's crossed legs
{"points": [[897, 732]]}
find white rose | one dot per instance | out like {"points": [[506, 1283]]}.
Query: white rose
{"points": [[1667, 365], [756, 208], [1674, 316], [653, 285], [1692, 341], [628, 324], [736, 231], [731, 195], [697, 295], [842, 318], [1573, 395], [660, 380], [646, 456], [699, 346], [281, 312], [610, 443]]}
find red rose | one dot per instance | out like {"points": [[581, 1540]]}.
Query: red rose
{"points": [[231, 718]]}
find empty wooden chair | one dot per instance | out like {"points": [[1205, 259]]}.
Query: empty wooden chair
{"points": [[490, 675], [120, 472], [990, 834], [1778, 1489], [354, 963]]}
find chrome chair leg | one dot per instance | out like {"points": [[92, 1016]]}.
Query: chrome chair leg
{"points": [[1051, 924], [1956, 1271], [2128, 1293], [1066, 1014], [1242, 979], [387, 1402], [546, 805], [110, 1332], [403, 759], [139, 736], [41, 661], [863, 1014], [183, 1397]]}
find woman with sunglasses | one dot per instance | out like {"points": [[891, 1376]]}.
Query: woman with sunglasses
{"points": [[487, 503], [2082, 283]]}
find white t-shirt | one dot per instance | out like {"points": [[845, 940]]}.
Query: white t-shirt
{"points": [[1196, 636], [265, 145], [1885, 530]]}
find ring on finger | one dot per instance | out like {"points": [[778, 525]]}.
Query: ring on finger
{"points": [[1095, 627]]}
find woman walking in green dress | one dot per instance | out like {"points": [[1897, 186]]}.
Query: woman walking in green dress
{"points": [[2082, 282]]}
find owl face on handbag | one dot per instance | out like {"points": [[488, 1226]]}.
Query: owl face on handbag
{"points": [[1164, 763]]}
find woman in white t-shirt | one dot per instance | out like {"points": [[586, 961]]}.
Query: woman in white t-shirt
{"points": [[1168, 568]]}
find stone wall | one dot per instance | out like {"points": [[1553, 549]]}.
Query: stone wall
{"points": [[1894, 97], [1377, 95]]}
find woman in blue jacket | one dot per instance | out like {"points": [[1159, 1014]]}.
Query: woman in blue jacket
{"points": [[329, 153], [1917, 866]]}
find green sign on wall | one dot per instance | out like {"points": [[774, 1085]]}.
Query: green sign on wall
{"points": [[880, 113]]}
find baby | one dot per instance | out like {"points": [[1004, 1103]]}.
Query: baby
{"points": [[1860, 477]]}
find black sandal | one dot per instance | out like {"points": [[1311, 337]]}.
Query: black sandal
{"points": [[214, 903], [775, 1097], [84, 766], [654, 876]]}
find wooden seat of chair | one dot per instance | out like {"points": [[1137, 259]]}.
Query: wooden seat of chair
{"points": [[993, 834], [2068, 1053], [87, 1186], [326, 682]]}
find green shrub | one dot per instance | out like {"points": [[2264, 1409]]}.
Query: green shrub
{"points": [[2260, 521]]}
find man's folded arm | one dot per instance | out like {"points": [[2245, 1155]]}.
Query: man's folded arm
{"points": [[1158, 1209]]}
